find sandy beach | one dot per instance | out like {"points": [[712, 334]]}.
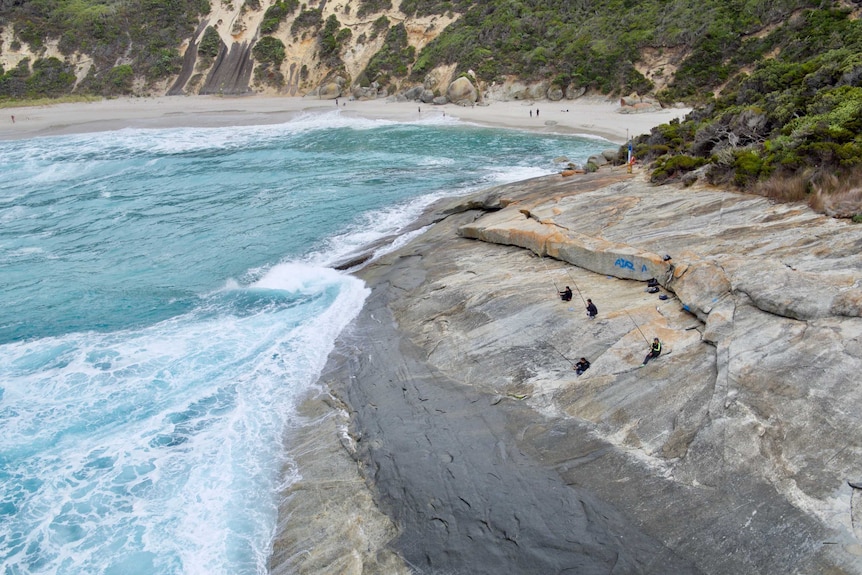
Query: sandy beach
{"points": [[594, 116]]}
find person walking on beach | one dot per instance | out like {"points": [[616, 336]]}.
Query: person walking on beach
{"points": [[592, 311], [13, 118], [654, 351]]}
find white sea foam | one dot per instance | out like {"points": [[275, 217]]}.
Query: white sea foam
{"points": [[186, 140], [157, 451], [508, 174], [371, 227], [296, 277]]}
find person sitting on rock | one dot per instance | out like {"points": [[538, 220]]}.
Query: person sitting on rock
{"points": [[591, 309], [582, 366], [566, 294], [654, 351]]}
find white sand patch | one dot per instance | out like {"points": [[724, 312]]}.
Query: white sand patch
{"points": [[589, 116]]}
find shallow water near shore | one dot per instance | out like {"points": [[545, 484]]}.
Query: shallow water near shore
{"points": [[167, 298]]}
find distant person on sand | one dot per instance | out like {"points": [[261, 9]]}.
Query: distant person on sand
{"points": [[582, 366], [531, 112], [13, 118], [654, 351], [566, 294], [537, 112], [591, 309]]}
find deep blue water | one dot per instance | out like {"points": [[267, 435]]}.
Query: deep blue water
{"points": [[166, 299]]}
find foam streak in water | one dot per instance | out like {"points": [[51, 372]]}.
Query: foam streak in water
{"points": [[158, 451]]}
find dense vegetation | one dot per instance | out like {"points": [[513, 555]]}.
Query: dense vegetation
{"points": [[368, 7], [105, 30], [791, 128], [595, 43], [393, 59]]}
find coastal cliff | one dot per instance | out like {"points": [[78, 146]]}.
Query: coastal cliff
{"points": [[730, 453]]}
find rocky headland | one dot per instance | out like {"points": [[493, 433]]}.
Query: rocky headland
{"points": [[480, 450]]}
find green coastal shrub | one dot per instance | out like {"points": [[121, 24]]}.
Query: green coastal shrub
{"points": [[162, 63], [119, 80], [307, 19], [748, 166], [51, 77], [368, 7], [269, 50], [276, 14], [210, 43], [332, 39], [380, 25], [393, 58], [13, 84], [667, 167]]}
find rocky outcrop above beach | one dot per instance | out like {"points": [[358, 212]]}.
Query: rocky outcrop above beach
{"points": [[730, 453]]}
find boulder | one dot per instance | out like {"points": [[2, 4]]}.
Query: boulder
{"points": [[329, 91], [611, 154], [427, 96], [634, 103], [366, 92], [517, 91], [630, 100], [414, 93], [574, 92], [538, 91], [599, 160], [555, 93], [462, 92]]}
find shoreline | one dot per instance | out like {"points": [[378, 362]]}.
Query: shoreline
{"points": [[588, 116]]}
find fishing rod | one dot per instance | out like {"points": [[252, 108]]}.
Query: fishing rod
{"points": [[639, 329], [576, 287], [549, 344], [549, 273]]}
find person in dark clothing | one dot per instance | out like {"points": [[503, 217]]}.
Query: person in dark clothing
{"points": [[591, 309], [582, 366], [566, 294], [654, 351]]}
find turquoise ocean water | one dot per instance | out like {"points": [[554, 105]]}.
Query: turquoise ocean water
{"points": [[166, 298]]}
